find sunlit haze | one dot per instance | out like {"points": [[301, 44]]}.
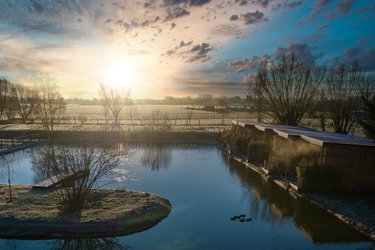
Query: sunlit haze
{"points": [[160, 48]]}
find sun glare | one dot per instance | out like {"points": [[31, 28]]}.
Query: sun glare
{"points": [[121, 75]]}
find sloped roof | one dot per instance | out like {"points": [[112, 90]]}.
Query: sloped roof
{"points": [[311, 135]]}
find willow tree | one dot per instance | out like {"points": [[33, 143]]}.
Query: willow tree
{"points": [[113, 101], [287, 89], [343, 88]]}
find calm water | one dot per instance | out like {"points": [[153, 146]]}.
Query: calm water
{"points": [[206, 189]]}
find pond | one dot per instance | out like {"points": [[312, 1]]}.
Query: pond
{"points": [[205, 189]]}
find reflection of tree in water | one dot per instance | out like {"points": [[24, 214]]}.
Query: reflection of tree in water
{"points": [[156, 156], [89, 244], [371, 247], [274, 205], [40, 172]]}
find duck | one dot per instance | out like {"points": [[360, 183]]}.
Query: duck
{"points": [[248, 219]]}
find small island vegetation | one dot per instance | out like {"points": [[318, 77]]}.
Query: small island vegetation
{"points": [[71, 205]]}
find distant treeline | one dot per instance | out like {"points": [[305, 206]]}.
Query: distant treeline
{"points": [[201, 100]]}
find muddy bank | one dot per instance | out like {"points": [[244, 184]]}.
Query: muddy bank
{"points": [[34, 214]]}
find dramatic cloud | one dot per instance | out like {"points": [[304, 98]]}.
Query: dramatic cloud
{"points": [[262, 3], [322, 3], [363, 56], [326, 7], [291, 5], [344, 6], [241, 2], [179, 46], [199, 53], [189, 2], [323, 27], [246, 64], [176, 12], [233, 17], [229, 30], [248, 79], [254, 17], [78, 41], [302, 52]]}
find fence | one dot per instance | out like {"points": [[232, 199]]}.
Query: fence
{"points": [[114, 136]]}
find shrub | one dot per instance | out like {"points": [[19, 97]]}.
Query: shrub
{"points": [[317, 179]]}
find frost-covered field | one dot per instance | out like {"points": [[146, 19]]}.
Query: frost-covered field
{"points": [[91, 117], [173, 111]]}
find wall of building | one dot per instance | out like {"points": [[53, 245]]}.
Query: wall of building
{"points": [[354, 165]]}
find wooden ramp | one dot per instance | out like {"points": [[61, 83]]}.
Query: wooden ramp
{"points": [[60, 179]]}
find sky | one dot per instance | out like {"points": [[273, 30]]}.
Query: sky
{"points": [[159, 48]]}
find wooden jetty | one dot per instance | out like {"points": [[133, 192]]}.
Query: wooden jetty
{"points": [[62, 180]]}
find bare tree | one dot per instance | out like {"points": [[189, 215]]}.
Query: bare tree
{"points": [[133, 114], [288, 89], [114, 100], [189, 117], [223, 102], [343, 89], [156, 157], [157, 121], [5, 89], [27, 101], [52, 105], [368, 102], [105, 106], [255, 94], [5, 166], [204, 100], [10, 109], [81, 167], [82, 119]]}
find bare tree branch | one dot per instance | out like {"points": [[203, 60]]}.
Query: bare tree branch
{"points": [[287, 89]]}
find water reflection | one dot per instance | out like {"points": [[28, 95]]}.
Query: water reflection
{"points": [[156, 156], [274, 205], [89, 244], [205, 192], [69, 244]]}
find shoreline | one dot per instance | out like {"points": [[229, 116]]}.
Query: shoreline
{"points": [[339, 207], [33, 214]]}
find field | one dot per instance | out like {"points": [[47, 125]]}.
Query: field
{"points": [[91, 117], [174, 112], [180, 117]]}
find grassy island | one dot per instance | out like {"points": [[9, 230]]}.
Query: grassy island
{"points": [[34, 214]]}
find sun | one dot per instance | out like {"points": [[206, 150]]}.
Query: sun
{"points": [[121, 74]]}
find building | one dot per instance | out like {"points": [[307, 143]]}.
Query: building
{"points": [[282, 148]]}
